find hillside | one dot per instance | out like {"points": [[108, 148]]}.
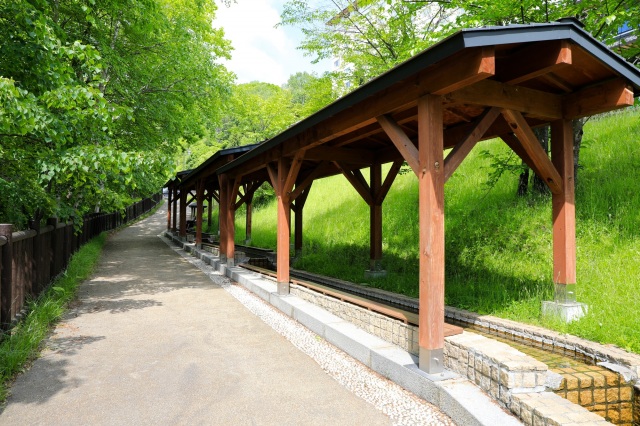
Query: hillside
{"points": [[498, 245]]}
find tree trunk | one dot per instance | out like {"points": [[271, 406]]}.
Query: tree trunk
{"points": [[577, 142], [523, 183]]}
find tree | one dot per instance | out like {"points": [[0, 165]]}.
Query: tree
{"points": [[309, 93], [366, 37], [256, 112], [96, 96]]}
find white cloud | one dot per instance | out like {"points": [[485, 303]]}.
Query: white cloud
{"points": [[261, 51]]}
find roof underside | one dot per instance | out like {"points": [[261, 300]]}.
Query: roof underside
{"points": [[546, 71]]}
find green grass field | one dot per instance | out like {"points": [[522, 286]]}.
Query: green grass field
{"points": [[498, 245]]}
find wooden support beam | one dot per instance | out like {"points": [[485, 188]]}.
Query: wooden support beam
{"points": [[209, 209], [431, 216], [299, 210], [512, 142], [230, 213], [464, 147], [308, 180], [356, 182], [517, 98], [183, 214], [169, 201], [284, 227], [388, 181], [534, 150], [249, 190], [199, 211], [564, 220], [535, 60], [175, 209], [401, 141], [294, 169], [222, 214], [375, 218], [603, 97], [273, 176]]}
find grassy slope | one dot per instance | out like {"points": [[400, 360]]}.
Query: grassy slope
{"points": [[498, 246]]}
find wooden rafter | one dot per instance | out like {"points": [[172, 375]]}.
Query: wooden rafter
{"points": [[535, 60], [534, 150], [464, 147]]}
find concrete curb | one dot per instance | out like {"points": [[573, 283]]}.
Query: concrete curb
{"points": [[461, 400]]}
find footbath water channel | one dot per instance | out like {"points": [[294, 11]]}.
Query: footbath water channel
{"points": [[596, 388]]}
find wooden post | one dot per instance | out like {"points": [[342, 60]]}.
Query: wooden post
{"points": [[284, 228], [564, 216], [248, 221], [222, 217], [230, 213], [431, 211], [299, 210], [169, 208], [199, 212], [175, 208], [183, 213], [375, 218], [6, 274], [209, 208]]}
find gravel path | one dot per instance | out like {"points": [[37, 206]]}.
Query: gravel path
{"points": [[401, 406]]}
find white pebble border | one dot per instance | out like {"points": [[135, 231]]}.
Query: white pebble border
{"points": [[402, 407]]}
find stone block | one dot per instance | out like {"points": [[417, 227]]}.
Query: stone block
{"points": [[573, 396], [613, 395], [626, 393], [571, 382], [586, 397], [567, 312]]}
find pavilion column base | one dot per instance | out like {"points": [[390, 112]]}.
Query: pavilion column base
{"points": [[375, 273], [567, 312], [223, 258], [283, 289], [375, 270], [431, 361], [247, 242], [231, 262]]}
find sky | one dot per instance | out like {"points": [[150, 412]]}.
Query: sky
{"points": [[262, 52]]}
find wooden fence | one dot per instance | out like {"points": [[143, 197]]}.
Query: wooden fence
{"points": [[30, 259]]}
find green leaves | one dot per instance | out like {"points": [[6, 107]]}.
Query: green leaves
{"points": [[95, 97]]}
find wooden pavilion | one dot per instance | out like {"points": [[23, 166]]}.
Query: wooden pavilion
{"points": [[203, 184], [475, 85]]}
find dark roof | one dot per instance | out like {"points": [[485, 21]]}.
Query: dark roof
{"points": [[464, 39], [193, 174], [179, 176]]}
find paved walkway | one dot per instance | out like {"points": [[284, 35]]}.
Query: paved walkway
{"points": [[153, 341]]}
